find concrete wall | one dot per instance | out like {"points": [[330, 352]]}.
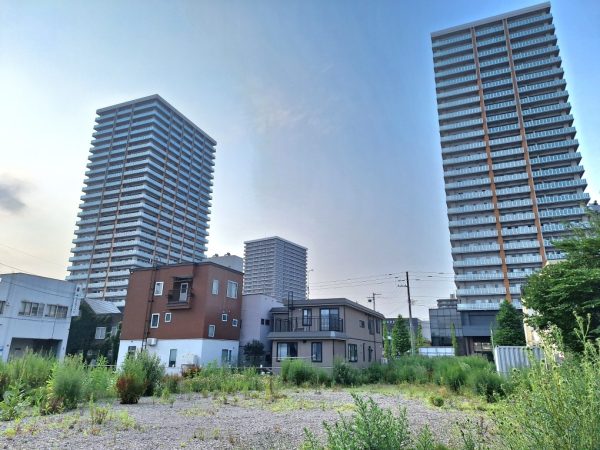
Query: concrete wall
{"points": [[256, 319], [189, 351], [19, 332]]}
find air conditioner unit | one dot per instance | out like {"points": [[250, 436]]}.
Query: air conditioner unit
{"points": [[152, 341]]}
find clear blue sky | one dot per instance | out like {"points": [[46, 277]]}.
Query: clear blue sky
{"points": [[324, 113]]}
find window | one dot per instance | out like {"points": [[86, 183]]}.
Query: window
{"points": [[232, 288], [154, 320], [352, 352], [361, 323], [211, 331], [51, 311], [287, 350], [61, 312], [131, 350], [330, 319], [2, 306], [370, 353], [224, 317], [307, 317], [377, 326], [316, 352], [158, 288], [371, 328], [31, 309], [167, 317], [267, 322], [172, 357], [234, 322], [215, 287], [262, 321], [100, 333], [225, 356], [364, 352]]}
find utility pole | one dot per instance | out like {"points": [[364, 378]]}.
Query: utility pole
{"points": [[372, 299], [410, 321]]}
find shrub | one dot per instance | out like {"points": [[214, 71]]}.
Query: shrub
{"points": [[131, 382], [13, 403], [344, 374], [154, 370], [436, 400], [297, 371], [375, 373], [66, 384], [100, 381], [485, 382], [31, 369], [172, 382]]}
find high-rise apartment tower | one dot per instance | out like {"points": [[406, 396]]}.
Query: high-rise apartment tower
{"points": [[147, 195], [275, 267], [512, 169]]}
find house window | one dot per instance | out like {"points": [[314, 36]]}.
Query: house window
{"points": [[61, 312], [262, 321], [131, 350], [307, 317], [371, 328], [370, 353], [377, 326], [287, 350], [31, 309], [316, 352], [225, 356], [51, 310], [361, 323], [158, 288], [232, 288], [215, 287], [2, 306], [100, 333], [167, 317], [211, 331], [224, 317], [267, 322], [172, 357], [234, 322], [352, 352], [154, 320], [330, 319]]}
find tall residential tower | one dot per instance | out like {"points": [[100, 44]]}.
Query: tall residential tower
{"points": [[146, 198], [511, 166], [275, 267]]}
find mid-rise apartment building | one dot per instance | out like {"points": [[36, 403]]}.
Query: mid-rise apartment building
{"points": [[275, 267], [187, 314], [147, 195], [512, 171], [35, 314]]}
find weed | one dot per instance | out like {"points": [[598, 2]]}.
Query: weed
{"points": [[98, 414], [14, 403], [216, 434]]}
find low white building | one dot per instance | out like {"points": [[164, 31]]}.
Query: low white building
{"points": [[35, 314], [256, 321]]}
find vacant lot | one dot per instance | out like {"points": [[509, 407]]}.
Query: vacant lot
{"points": [[193, 421]]}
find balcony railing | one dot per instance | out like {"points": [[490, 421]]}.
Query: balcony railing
{"points": [[178, 300], [308, 324]]}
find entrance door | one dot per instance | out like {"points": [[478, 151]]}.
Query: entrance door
{"points": [[183, 292]]}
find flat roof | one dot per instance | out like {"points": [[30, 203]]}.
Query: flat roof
{"points": [[275, 237], [328, 302], [506, 15], [157, 97], [184, 264]]}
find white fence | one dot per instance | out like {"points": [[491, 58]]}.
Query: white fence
{"points": [[508, 357], [433, 352]]}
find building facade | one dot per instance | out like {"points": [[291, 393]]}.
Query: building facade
{"points": [[275, 267], [512, 170], [35, 314], [323, 330], [256, 324], [188, 314], [147, 196]]}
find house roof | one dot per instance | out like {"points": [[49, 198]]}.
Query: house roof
{"points": [[101, 307], [329, 302]]}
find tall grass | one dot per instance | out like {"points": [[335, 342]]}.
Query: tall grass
{"points": [[300, 372], [555, 404]]}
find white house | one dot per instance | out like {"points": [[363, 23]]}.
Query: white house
{"points": [[256, 321], [35, 314]]}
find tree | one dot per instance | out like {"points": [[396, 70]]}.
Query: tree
{"points": [[419, 339], [570, 287], [387, 345], [509, 329], [400, 338], [454, 340], [254, 351]]}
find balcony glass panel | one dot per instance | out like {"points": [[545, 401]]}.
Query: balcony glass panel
{"points": [[463, 159], [446, 62], [545, 85], [529, 31], [472, 262], [518, 231], [454, 81], [499, 105], [472, 222], [463, 124], [469, 195], [527, 21], [455, 92], [465, 183], [460, 113], [473, 235], [560, 184], [547, 108], [537, 51], [455, 70]]}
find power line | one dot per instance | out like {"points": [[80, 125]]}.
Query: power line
{"points": [[31, 255]]}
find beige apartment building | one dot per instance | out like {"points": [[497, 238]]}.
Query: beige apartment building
{"points": [[320, 331]]}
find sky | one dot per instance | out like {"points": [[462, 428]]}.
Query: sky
{"points": [[324, 112]]}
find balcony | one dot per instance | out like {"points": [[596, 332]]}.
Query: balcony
{"points": [[314, 324], [176, 299], [484, 306]]}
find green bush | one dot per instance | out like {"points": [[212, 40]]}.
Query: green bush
{"points": [[375, 373], [436, 400], [100, 382], [31, 369], [154, 370], [131, 382], [485, 382], [66, 382], [172, 383], [344, 374], [297, 371]]}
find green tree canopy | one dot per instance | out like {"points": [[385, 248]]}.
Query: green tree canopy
{"points": [[254, 351], [400, 338], [387, 345], [509, 329], [567, 288]]}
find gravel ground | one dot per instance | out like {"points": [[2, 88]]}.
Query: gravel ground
{"points": [[211, 423]]}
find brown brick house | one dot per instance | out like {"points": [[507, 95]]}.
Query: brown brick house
{"points": [[186, 313]]}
